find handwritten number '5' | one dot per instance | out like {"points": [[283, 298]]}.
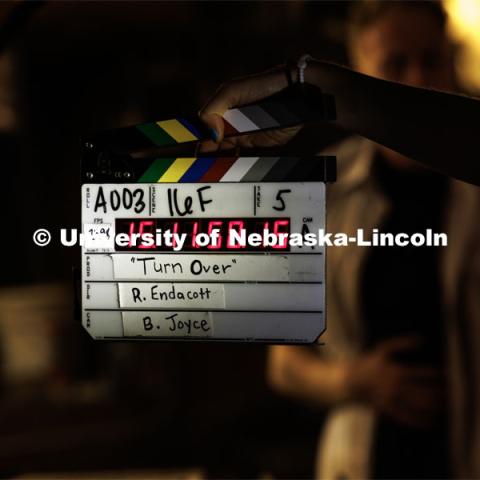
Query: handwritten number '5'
{"points": [[281, 200]]}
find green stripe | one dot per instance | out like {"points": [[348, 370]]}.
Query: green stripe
{"points": [[156, 134], [156, 170]]}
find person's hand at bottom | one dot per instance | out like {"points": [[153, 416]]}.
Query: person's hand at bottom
{"points": [[410, 395]]}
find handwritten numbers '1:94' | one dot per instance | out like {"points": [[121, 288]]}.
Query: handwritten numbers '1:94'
{"points": [[102, 232]]}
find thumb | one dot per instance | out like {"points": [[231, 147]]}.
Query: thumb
{"points": [[215, 125]]}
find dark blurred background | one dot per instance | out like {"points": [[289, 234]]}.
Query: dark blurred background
{"points": [[68, 404]]}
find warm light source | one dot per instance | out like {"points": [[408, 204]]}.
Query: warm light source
{"points": [[464, 26]]}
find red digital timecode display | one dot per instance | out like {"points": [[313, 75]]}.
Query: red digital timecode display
{"points": [[222, 234]]}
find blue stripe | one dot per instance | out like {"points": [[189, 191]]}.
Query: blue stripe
{"points": [[197, 170], [193, 130]]}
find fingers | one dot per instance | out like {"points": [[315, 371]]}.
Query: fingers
{"points": [[408, 417], [417, 382], [215, 125], [208, 146], [245, 90], [258, 140], [240, 92], [418, 406], [411, 395], [430, 396], [422, 374], [393, 346]]}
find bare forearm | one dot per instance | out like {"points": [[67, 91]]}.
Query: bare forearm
{"points": [[439, 129], [302, 375]]}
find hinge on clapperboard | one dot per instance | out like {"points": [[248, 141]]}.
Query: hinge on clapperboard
{"points": [[135, 153]]}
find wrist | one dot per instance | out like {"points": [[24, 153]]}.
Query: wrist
{"points": [[311, 70], [354, 388], [348, 88], [346, 390], [330, 77]]}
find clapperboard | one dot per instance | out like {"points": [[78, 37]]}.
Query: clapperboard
{"points": [[186, 289]]}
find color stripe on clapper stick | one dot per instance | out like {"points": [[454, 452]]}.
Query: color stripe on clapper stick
{"points": [[230, 169], [218, 169], [272, 169], [155, 171], [259, 169], [176, 170], [198, 169], [239, 169], [169, 132], [246, 119], [268, 114], [255, 117]]}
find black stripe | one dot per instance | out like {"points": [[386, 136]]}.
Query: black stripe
{"points": [[280, 171], [313, 169], [281, 114], [303, 110]]}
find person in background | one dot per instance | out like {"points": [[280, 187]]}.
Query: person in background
{"points": [[397, 317], [382, 368]]}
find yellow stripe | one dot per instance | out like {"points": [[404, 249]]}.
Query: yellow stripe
{"points": [[176, 170], [176, 130]]}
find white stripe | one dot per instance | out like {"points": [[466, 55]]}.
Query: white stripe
{"points": [[239, 121], [238, 170]]}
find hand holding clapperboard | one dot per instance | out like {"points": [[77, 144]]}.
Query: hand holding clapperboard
{"points": [[133, 183]]}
